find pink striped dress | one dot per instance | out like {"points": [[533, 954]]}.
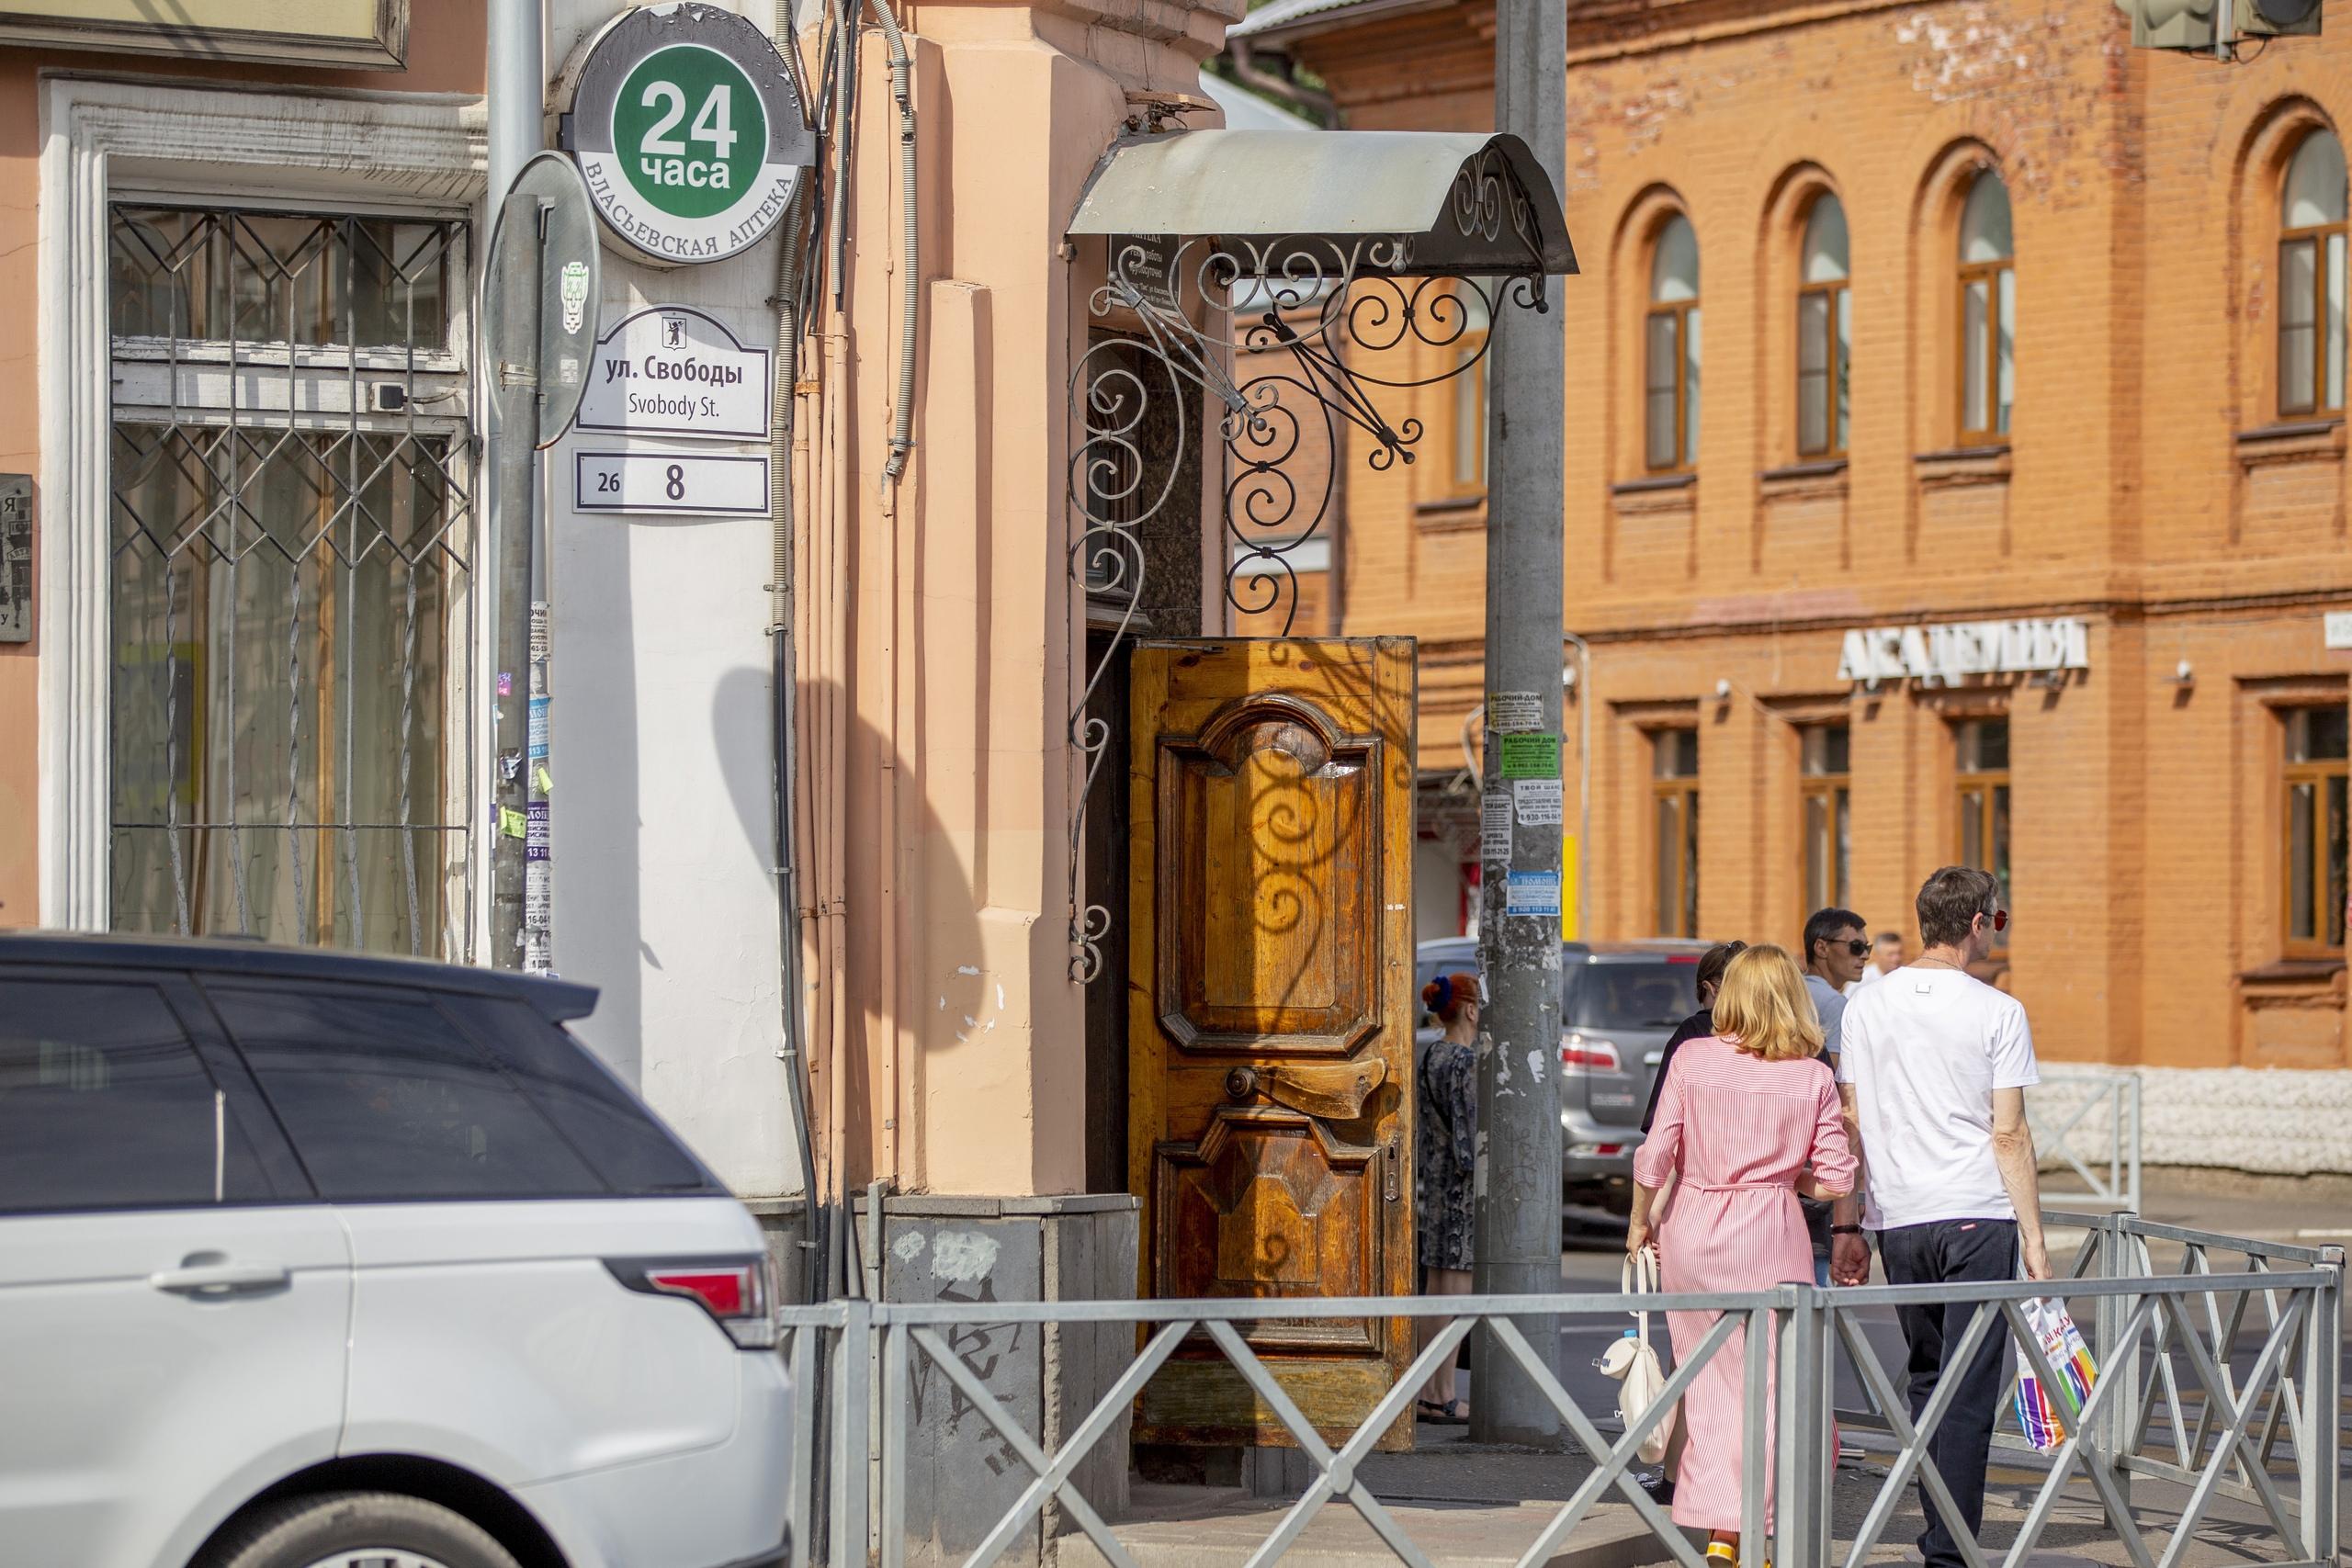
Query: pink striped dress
{"points": [[1738, 1129]]}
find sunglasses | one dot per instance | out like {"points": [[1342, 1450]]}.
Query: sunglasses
{"points": [[1859, 949], [2000, 918]]}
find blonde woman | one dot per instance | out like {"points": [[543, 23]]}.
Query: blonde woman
{"points": [[1748, 1120]]}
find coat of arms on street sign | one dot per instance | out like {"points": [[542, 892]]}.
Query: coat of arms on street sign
{"points": [[576, 295]]}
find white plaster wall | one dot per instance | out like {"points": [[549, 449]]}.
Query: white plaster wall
{"points": [[663, 822], [2278, 1122], [1436, 890]]}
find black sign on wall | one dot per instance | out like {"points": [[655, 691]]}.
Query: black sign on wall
{"points": [[15, 557]]}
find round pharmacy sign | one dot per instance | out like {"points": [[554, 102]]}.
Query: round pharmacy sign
{"points": [[690, 132]]}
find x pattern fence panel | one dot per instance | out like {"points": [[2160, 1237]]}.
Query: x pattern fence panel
{"points": [[2177, 1403]]}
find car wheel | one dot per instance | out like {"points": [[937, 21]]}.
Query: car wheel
{"points": [[356, 1529]]}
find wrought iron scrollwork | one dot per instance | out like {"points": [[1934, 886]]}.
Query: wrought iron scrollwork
{"points": [[1297, 339]]}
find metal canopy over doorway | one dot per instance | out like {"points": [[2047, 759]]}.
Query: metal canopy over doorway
{"points": [[1288, 287]]}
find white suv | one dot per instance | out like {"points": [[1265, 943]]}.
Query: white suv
{"points": [[311, 1261]]}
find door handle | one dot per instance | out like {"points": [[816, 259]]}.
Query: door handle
{"points": [[1333, 1089], [216, 1279]]}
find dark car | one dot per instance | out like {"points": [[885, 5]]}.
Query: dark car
{"points": [[1620, 1001]]}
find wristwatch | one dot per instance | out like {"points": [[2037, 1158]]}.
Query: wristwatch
{"points": [[1845, 1230]]}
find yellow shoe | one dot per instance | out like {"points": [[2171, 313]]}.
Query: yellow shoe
{"points": [[1721, 1552]]}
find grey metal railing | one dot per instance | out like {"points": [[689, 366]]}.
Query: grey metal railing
{"points": [[2170, 1406], [2088, 1122]]}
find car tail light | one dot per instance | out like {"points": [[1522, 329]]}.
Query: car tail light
{"points": [[1578, 1054], [733, 1291]]}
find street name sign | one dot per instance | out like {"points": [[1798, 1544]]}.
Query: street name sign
{"points": [[675, 371], [690, 132]]}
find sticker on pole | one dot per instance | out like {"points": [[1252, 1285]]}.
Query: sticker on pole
{"points": [[1511, 711], [675, 371], [1538, 802], [1533, 893], [1493, 826], [690, 132], [1530, 756]]}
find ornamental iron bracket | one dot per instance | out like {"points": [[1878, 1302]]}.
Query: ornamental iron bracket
{"points": [[1285, 282]]}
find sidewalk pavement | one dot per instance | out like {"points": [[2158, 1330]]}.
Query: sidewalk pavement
{"points": [[1468, 1506]]}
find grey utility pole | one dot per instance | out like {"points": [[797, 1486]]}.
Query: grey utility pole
{"points": [[517, 87], [1518, 1205]]}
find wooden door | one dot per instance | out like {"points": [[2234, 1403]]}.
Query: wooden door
{"points": [[1271, 1021]]}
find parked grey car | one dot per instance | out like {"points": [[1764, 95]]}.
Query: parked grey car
{"points": [[1620, 1001]]}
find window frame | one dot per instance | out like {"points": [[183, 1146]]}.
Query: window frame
{"points": [[180, 143], [1682, 790], [1989, 275], [2317, 237], [1469, 366], [1832, 792], [1837, 372], [2315, 773], [1997, 800], [1678, 313]]}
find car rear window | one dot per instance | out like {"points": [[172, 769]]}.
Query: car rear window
{"points": [[386, 1099], [1631, 994], [611, 1128], [104, 1104]]}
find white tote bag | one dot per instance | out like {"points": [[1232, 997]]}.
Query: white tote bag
{"points": [[1635, 1365]]}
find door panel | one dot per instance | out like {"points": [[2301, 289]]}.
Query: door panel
{"points": [[172, 1315], [1271, 1026]]}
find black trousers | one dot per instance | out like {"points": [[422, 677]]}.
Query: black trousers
{"points": [[1951, 1251]]}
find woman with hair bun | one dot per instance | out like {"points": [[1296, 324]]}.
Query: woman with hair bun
{"points": [[1445, 1149]]}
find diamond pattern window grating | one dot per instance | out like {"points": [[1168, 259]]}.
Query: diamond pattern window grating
{"points": [[292, 617]]}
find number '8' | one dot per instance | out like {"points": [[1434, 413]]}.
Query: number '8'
{"points": [[677, 486]]}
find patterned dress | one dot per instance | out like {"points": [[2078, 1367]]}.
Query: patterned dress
{"points": [[1739, 1129], [1445, 1150]]}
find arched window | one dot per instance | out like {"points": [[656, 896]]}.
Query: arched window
{"points": [[1824, 332], [1671, 384], [1988, 299], [2311, 278]]}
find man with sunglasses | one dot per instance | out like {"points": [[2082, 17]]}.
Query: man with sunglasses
{"points": [[1933, 1073], [1835, 945]]}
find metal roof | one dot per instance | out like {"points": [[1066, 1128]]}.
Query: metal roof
{"points": [[1282, 15], [1341, 185]]}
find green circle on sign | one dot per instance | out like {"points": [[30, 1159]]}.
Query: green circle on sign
{"points": [[689, 131]]}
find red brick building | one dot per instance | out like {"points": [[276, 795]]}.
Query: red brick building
{"points": [[1955, 471]]}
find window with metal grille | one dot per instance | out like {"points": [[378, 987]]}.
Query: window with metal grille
{"points": [[291, 583]]}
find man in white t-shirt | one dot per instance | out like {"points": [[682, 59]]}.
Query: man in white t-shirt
{"points": [[1933, 1067]]}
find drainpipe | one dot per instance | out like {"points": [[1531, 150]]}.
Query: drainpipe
{"points": [[784, 678]]}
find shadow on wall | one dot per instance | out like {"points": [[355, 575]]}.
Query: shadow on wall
{"points": [[925, 942]]}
